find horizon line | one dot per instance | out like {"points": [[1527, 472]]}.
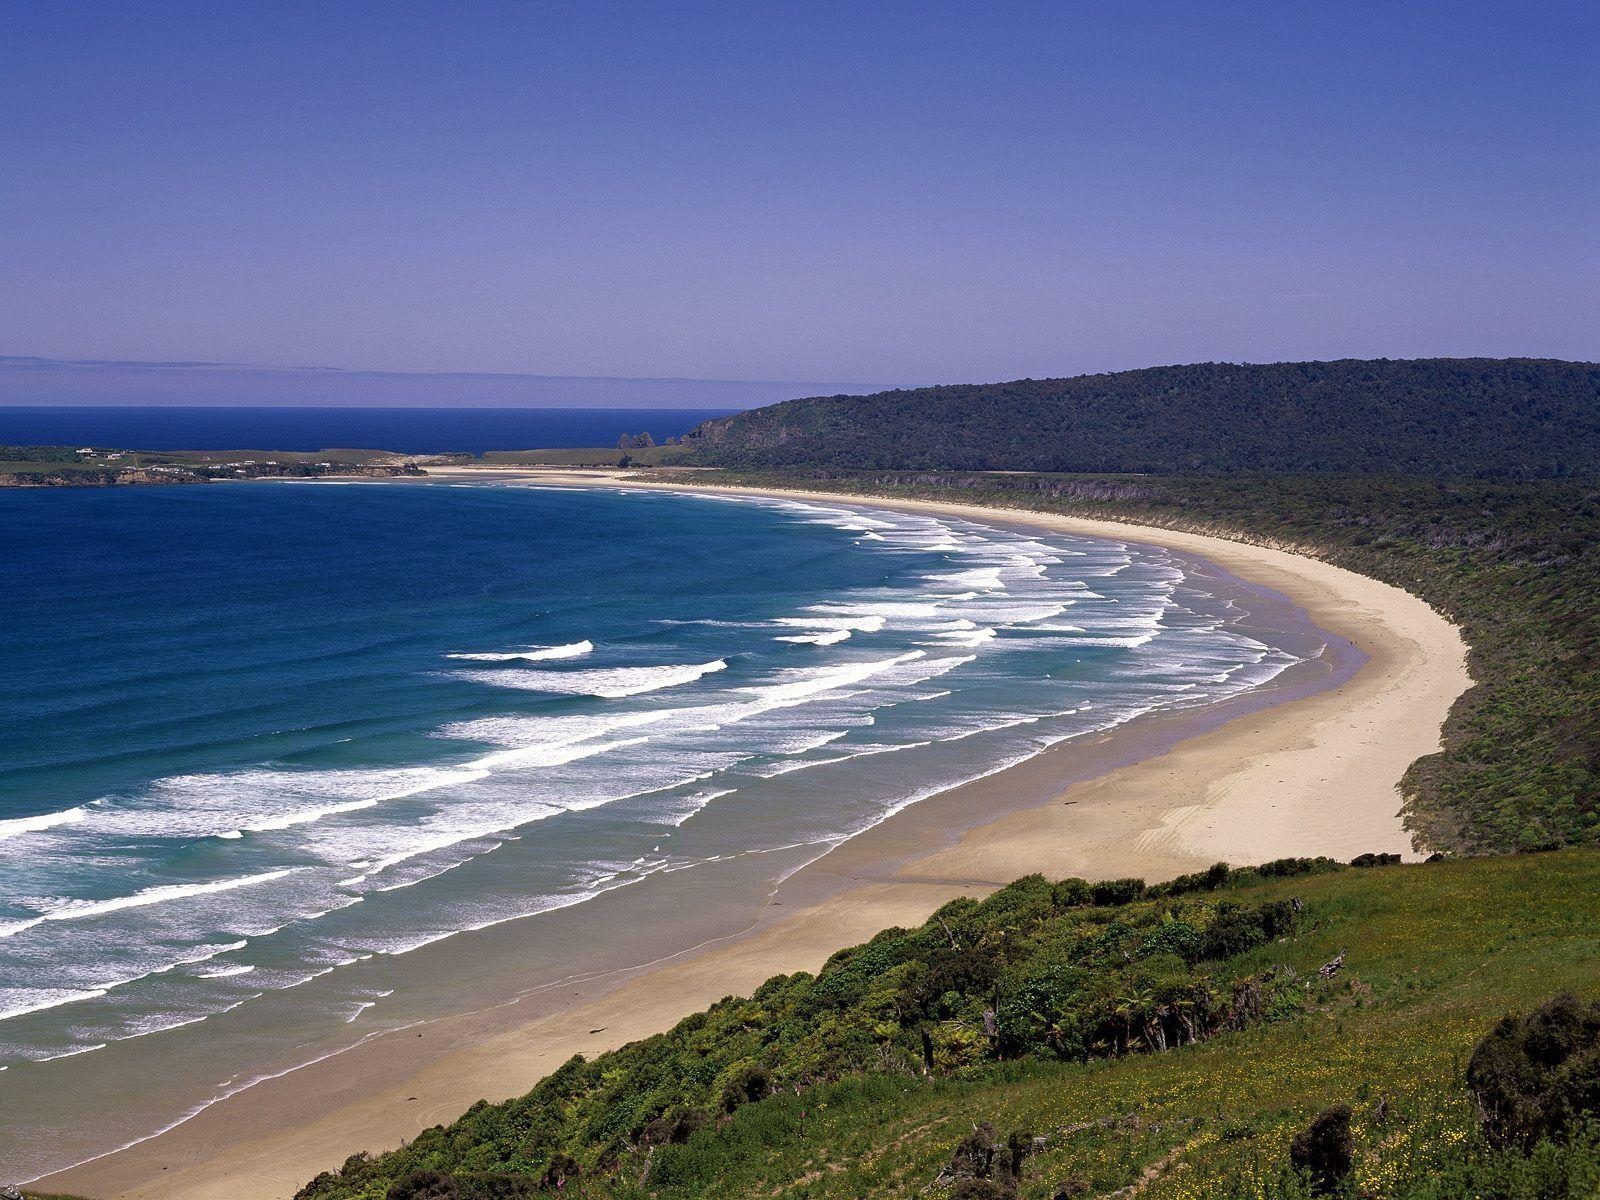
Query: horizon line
{"points": [[29, 360]]}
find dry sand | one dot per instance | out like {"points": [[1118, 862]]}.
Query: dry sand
{"points": [[1312, 775]]}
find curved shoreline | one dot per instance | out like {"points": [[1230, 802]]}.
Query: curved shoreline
{"points": [[1304, 774]]}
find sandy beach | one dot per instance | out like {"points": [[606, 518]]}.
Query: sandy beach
{"points": [[1313, 773]]}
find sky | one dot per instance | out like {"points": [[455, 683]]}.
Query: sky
{"points": [[868, 193]]}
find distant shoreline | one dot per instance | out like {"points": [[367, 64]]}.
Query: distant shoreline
{"points": [[1304, 769]]}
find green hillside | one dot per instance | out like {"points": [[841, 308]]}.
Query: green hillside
{"points": [[1437, 417], [1171, 1039]]}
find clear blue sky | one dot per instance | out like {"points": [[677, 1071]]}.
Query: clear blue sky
{"points": [[864, 192]]}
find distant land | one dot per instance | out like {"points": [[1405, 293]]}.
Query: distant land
{"points": [[398, 430], [1439, 417], [55, 381], [63, 466]]}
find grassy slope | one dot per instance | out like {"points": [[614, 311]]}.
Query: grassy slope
{"points": [[1445, 949], [1435, 954]]}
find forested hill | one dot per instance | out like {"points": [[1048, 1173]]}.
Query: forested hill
{"points": [[1439, 416]]}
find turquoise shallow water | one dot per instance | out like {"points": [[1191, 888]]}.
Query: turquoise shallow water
{"points": [[259, 737]]}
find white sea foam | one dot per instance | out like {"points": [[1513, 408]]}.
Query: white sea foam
{"points": [[868, 610], [1114, 643], [966, 638], [803, 684], [773, 770], [166, 1022], [613, 684], [867, 624], [17, 1002], [532, 653], [17, 826], [73, 1053], [77, 910], [830, 638], [981, 578]]}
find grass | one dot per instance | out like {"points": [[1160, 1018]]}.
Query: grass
{"points": [[1435, 954], [1445, 949]]}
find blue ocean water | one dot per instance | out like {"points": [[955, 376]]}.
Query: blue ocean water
{"points": [[262, 735], [403, 430]]}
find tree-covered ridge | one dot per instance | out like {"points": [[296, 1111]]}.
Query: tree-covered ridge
{"points": [[1433, 417], [1515, 563], [1086, 1042]]}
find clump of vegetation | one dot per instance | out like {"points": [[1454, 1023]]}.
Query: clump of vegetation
{"points": [[985, 1166], [1325, 1150], [1537, 1077], [1375, 860], [425, 1185]]}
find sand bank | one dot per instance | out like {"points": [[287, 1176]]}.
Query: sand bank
{"points": [[1313, 774]]}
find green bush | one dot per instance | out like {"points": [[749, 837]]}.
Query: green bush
{"points": [[1536, 1077], [1325, 1149]]}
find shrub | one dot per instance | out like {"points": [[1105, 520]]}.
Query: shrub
{"points": [[1235, 930], [1070, 893], [1209, 880], [1283, 868], [674, 1128], [1324, 1149], [985, 1168], [1116, 891], [1375, 860], [1535, 1077], [494, 1187], [562, 1167], [744, 1082], [1176, 937], [976, 1154], [424, 1185]]}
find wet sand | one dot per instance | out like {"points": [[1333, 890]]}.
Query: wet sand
{"points": [[1308, 765]]}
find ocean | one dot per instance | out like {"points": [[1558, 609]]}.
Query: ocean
{"points": [[265, 742], [403, 430]]}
